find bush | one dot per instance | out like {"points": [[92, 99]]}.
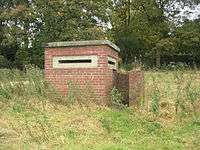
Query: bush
{"points": [[116, 97], [4, 63]]}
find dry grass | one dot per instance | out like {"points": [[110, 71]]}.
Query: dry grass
{"points": [[170, 89], [39, 121]]}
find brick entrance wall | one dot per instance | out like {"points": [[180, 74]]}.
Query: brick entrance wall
{"points": [[130, 85], [122, 84], [136, 86]]}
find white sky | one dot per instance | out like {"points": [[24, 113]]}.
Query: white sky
{"points": [[185, 13], [194, 13]]}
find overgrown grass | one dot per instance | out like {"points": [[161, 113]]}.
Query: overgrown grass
{"points": [[175, 93], [34, 116]]}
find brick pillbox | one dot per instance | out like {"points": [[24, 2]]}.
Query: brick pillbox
{"points": [[89, 65]]}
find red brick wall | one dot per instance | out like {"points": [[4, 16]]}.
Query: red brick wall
{"points": [[136, 86], [131, 86], [122, 84], [100, 78]]}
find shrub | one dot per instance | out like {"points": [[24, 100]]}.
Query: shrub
{"points": [[72, 95], [155, 97], [106, 124], [4, 63], [116, 97]]}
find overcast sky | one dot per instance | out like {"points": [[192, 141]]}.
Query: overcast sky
{"points": [[186, 12], [194, 13]]}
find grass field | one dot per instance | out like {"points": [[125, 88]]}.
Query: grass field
{"points": [[166, 118]]}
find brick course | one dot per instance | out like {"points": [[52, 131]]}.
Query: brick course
{"points": [[136, 86], [131, 85], [97, 80], [100, 78]]}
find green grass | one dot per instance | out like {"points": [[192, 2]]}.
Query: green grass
{"points": [[98, 129], [37, 120]]}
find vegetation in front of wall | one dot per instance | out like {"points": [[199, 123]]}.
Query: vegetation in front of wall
{"points": [[116, 98], [15, 84], [84, 95], [35, 117]]}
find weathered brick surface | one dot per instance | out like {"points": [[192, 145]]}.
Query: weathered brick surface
{"points": [[100, 78], [131, 86], [121, 82], [136, 86]]}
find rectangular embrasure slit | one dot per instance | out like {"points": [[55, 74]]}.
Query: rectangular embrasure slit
{"points": [[111, 62], [90, 61], [75, 61]]}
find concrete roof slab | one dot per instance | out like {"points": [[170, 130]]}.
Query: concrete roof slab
{"points": [[82, 43]]}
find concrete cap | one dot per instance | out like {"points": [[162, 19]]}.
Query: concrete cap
{"points": [[83, 43]]}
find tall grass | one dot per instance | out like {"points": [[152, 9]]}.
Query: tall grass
{"points": [[37, 118], [155, 97], [28, 94], [174, 93], [26, 88]]}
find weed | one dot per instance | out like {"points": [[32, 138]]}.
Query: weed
{"points": [[4, 93], [18, 108], [80, 94], [152, 127], [155, 98], [70, 134], [116, 98], [29, 111], [106, 124], [73, 93]]}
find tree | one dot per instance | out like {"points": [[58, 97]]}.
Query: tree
{"points": [[17, 17], [145, 19], [26, 24], [3, 62], [187, 38], [151, 22], [142, 28]]}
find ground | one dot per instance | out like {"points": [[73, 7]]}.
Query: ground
{"points": [[26, 122]]}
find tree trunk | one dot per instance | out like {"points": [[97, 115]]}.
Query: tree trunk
{"points": [[129, 12], [158, 59]]}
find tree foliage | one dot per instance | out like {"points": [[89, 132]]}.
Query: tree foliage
{"points": [[143, 29], [153, 23]]}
